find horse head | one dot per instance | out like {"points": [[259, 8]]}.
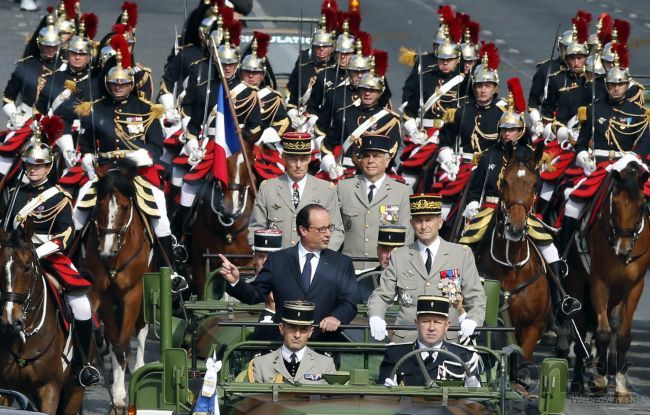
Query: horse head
{"points": [[17, 277], [231, 201], [517, 188], [627, 207], [114, 210]]}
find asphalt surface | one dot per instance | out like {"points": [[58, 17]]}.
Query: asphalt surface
{"points": [[523, 31]]}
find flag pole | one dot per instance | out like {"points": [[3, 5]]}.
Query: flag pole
{"points": [[233, 114]]}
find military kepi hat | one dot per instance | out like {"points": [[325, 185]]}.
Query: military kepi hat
{"points": [[425, 204], [381, 143], [267, 240], [431, 304], [296, 143], [391, 235], [298, 312]]}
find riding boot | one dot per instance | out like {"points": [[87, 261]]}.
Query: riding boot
{"points": [[569, 226], [565, 307], [87, 375], [178, 281]]}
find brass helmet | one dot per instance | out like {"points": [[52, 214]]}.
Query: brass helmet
{"points": [[323, 36], [37, 152], [514, 116], [566, 38], [345, 42], [129, 17], [206, 25], [487, 71], [607, 54], [105, 53], [49, 35], [121, 73], [450, 49], [446, 14], [66, 15], [375, 78], [620, 34], [361, 61], [228, 54], [579, 37], [256, 61], [469, 47], [619, 73], [594, 65], [83, 41]]}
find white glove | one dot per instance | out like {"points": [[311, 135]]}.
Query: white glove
{"points": [[15, 119], [68, 152], [587, 163], [308, 124], [377, 328], [564, 137], [467, 328], [172, 116], [297, 120], [448, 162], [328, 164], [416, 136], [87, 165], [391, 382], [46, 249], [548, 133], [140, 157], [536, 126], [193, 151], [471, 209]]}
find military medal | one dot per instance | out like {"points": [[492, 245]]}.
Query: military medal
{"points": [[450, 285], [389, 214]]}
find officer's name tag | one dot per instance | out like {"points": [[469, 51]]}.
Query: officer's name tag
{"points": [[314, 377]]}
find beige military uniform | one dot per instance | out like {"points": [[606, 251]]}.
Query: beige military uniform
{"points": [[270, 368], [274, 207], [406, 278], [361, 220]]}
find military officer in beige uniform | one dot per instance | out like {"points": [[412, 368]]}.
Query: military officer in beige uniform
{"points": [[371, 199], [279, 200], [293, 362], [428, 266]]}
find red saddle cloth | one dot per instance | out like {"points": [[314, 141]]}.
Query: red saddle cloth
{"points": [[12, 141]]}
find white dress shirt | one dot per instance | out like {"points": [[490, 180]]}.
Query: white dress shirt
{"points": [[301, 185], [377, 184], [435, 245], [426, 354], [302, 257], [286, 353]]}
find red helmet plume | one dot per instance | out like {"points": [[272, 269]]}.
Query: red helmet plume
{"points": [[474, 29], [119, 44], [132, 9], [623, 58], [52, 127], [263, 41], [622, 30], [446, 13], [456, 30], [586, 16], [119, 29], [90, 21], [381, 62], [493, 56], [355, 22], [227, 16], [70, 9], [582, 29], [366, 43], [605, 33], [329, 5], [514, 86], [235, 32], [331, 20]]}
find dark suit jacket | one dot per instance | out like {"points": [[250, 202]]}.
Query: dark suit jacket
{"points": [[410, 371], [333, 288]]}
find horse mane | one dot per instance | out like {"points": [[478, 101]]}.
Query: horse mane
{"points": [[627, 181], [119, 177]]}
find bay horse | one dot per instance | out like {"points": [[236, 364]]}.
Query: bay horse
{"points": [[222, 218], [509, 255], [118, 253], [36, 349], [618, 244]]}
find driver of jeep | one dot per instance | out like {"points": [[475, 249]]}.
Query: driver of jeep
{"points": [[432, 324]]}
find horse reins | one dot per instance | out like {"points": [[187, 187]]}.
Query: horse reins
{"points": [[618, 232]]}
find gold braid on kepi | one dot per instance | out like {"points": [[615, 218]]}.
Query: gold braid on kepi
{"points": [[425, 204], [296, 143]]}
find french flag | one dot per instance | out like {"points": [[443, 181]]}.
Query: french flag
{"points": [[225, 137]]}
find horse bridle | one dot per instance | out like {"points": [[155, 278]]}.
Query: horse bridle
{"points": [[618, 232]]}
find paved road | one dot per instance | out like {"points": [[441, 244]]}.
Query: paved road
{"points": [[522, 30]]}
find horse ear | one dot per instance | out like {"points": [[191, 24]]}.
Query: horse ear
{"points": [[538, 154]]}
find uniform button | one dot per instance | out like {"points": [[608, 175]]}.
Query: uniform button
{"points": [[293, 242], [366, 239], [428, 284], [365, 253], [368, 213], [367, 226], [294, 216]]}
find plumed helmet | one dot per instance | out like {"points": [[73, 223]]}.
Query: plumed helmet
{"points": [[49, 35]]}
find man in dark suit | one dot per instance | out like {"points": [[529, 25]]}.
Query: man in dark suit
{"points": [[307, 271], [432, 322]]}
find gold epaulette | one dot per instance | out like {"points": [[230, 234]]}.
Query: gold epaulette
{"points": [[66, 194], [449, 115], [647, 112], [407, 56], [582, 114], [71, 85], [157, 110], [24, 59], [546, 163], [83, 108], [143, 68]]}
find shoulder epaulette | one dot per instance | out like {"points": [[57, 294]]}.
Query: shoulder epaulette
{"points": [[83, 108], [66, 194], [24, 59], [582, 114], [449, 115], [142, 67], [502, 104]]}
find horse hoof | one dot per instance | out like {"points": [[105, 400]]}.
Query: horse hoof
{"points": [[623, 398], [597, 386]]}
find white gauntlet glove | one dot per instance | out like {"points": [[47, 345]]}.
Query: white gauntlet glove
{"points": [[536, 126], [15, 119], [297, 120], [416, 136], [467, 328], [587, 162], [471, 209], [66, 146], [193, 151], [548, 133], [448, 162], [87, 165], [140, 157], [377, 328], [328, 164]]}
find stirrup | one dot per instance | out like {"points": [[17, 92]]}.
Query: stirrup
{"points": [[91, 375], [570, 306], [179, 283]]}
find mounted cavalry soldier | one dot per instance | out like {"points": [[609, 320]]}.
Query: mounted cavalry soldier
{"points": [[618, 129], [443, 87], [280, 199], [428, 266], [364, 117], [62, 85], [47, 209], [471, 131], [120, 124], [370, 199], [484, 194]]}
